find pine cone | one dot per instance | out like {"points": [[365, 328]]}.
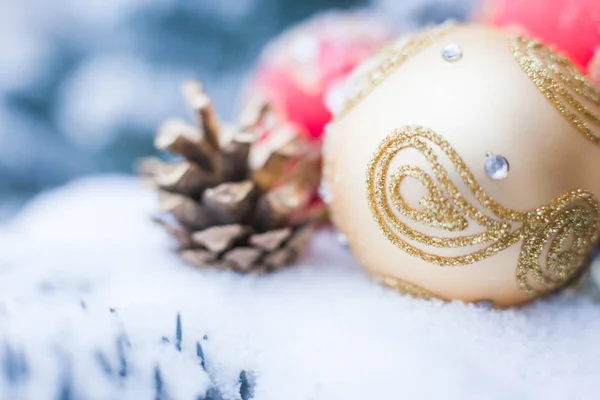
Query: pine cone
{"points": [[241, 198]]}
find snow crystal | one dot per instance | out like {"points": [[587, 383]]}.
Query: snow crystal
{"points": [[319, 330]]}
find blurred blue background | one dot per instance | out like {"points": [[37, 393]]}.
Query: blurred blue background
{"points": [[84, 84]]}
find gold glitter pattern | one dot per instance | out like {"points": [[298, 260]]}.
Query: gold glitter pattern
{"points": [[403, 286], [560, 81], [386, 62], [561, 233]]}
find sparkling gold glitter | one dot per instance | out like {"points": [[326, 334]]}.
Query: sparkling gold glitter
{"points": [[387, 61], [560, 81], [562, 232], [403, 286]]}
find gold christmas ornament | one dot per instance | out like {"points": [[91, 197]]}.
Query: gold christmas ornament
{"points": [[237, 197], [464, 165], [594, 69]]}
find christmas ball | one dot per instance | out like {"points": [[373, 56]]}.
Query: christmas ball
{"points": [[299, 72], [594, 69], [572, 26], [464, 165]]}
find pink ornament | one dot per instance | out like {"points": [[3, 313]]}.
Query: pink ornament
{"points": [[571, 26], [300, 70]]}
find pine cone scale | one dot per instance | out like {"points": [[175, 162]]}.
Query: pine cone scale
{"points": [[219, 238], [181, 138], [271, 240], [231, 202], [239, 201]]}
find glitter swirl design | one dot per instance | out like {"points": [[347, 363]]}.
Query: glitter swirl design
{"points": [[555, 238], [404, 287], [562, 83]]}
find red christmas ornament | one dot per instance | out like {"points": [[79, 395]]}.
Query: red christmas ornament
{"points": [[571, 26], [300, 70]]}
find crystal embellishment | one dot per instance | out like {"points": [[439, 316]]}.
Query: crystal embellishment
{"points": [[496, 166], [452, 52]]}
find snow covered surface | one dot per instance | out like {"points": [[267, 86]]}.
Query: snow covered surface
{"points": [[320, 330]]}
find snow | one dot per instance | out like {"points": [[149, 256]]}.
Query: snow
{"points": [[319, 330]]}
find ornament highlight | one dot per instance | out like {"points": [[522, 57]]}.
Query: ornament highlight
{"points": [[403, 165]]}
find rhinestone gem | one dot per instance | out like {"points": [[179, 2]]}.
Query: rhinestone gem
{"points": [[342, 239], [452, 52], [496, 166]]}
